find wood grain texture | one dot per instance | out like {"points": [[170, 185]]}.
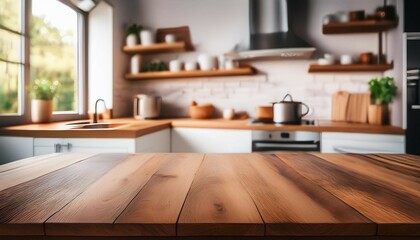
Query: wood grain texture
{"points": [[365, 26], [25, 207], [218, 204], [31, 168], [291, 205], [155, 210], [137, 128], [104, 200], [315, 68], [190, 74], [395, 210]]}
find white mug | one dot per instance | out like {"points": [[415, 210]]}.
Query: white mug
{"points": [[146, 37], [170, 38], [230, 64], [190, 66], [135, 64], [175, 66], [346, 59]]}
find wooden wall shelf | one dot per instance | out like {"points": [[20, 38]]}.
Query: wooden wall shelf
{"points": [[315, 68], [156, 48], [367, 26], [190, 74]]}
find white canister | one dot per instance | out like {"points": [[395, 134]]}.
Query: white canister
{"points": [[190, 66], [146, 37], [131, 40], [230, 64], [135, 63], [175, 66], [346, 59], [170, 38], [207, 62], [228, 114]]}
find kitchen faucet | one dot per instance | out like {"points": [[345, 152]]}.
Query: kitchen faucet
{"points": [[95, 115]]}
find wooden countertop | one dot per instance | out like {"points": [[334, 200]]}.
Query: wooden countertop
{"points": [[136, 128], [184, 195]]}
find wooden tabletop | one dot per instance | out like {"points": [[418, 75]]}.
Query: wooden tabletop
{"points": [[204, 195]]}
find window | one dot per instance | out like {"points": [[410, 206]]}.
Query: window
{"points": [[11, 58], [54, 46]]}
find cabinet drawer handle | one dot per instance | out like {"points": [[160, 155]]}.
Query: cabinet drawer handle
{"points": [[59, 147]]}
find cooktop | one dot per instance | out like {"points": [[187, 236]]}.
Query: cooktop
{"points": [[265, 122]]}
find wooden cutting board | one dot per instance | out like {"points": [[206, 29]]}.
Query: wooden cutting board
{"points": [[350, 107], [339, 105], [357, 109]]}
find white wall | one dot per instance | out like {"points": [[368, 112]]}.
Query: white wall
{"points": [[218, 25], [100, 55]]}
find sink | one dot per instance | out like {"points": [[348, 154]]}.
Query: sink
{"points": [[90, 125]]}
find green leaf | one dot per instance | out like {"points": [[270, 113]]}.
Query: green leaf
{"points": [[382, 90]]}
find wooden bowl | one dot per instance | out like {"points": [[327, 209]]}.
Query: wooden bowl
{"points": [[264, 113], [202, 111]]}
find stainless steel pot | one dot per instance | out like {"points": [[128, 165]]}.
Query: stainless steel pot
{"points": [[288, 112], [146, 106]]}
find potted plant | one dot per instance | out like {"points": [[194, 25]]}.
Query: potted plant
{"points": [[381, 93], [42, 93], [133, 32]]}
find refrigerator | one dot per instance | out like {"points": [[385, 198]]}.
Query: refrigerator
{"points": [[412, 91]]}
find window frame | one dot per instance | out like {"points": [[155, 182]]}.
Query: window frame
{"points": [[24, 116]]}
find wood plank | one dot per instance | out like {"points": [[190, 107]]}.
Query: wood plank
{"points": [[366, 166], [94, 211], [218, 204], [155, 210], [156, 48], [394, 210], [25, 207], [365, 26], [190, 74], [399, 165], [314, 68], [25, 162], [291, 205], [31, 168], [408, 160]]}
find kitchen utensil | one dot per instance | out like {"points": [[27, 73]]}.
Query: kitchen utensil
{"points": [[207, 62], [264, 113], [228, 113], [357, 15], [342, 17], [346, 59], [339, 105], [230, 64], [170, 38], [202, 111], [146, 106], [135, 64], [366, 58], [190, 66], [357, 109], [175, 66], [289, 112], [146, 37]]}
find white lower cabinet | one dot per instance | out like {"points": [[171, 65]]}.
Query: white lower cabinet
{"points": [[361, 143], [211, 140], [15, 148], [154, 142]]}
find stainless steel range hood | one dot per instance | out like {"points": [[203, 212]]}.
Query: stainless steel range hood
{"points": [[270, 36]]}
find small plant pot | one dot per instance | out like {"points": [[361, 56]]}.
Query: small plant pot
{"points": [[378, 114], [131, 40], [41, 110]]}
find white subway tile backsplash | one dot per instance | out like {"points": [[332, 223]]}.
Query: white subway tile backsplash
{"points": [[244, 93]]}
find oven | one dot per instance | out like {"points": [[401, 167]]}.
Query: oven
{"points": [[278, 140]]}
